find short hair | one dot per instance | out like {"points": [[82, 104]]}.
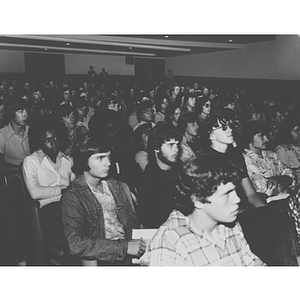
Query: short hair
{"points": [[15, 104], [40, 126], [201, 176], [184, 119], [161, 133], [213, 121], [82, 153]]}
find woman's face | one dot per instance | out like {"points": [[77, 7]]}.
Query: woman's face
{"points": [[206, 108], [69, 120]]}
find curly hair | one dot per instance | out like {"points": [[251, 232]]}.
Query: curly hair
{"points": [[40, 126], [201, 176]]}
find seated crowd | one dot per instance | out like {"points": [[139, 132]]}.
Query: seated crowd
{"points": [[168, 156]]}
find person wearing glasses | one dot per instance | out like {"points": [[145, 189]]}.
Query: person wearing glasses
{"points": [[203, 109], [145, 114], [217, 138]]}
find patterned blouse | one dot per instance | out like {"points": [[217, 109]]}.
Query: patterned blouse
{"points": [[260, 168]]}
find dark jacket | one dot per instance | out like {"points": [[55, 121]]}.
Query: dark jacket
{"points": [[83, 221]]}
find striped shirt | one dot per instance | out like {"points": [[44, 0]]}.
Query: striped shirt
{"points": [[179, 242]]}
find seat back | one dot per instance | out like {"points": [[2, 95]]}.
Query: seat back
{"points": [[270, 233]]}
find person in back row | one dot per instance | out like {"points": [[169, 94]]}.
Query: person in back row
{"points": [[201, 230]]}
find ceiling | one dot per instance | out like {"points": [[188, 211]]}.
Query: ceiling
{"points": [[159, 46]]}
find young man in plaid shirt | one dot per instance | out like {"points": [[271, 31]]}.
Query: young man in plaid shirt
{"points": [[201, 231]]}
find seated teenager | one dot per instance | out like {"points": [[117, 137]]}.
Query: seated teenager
{"points": [[47, 171], [196, 232], [217, 138], [266, 171], [288, 145], [97, 211]]}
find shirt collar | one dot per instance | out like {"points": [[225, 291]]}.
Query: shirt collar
{"points": [[40, 154], [10, 131]]}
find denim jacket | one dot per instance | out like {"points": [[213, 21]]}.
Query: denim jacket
{"points": [[83, 221]]}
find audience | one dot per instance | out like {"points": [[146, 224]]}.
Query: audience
{"points": [[153, 129]]}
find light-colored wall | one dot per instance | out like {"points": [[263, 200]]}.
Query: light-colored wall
{"points": [[113, 64], [14, 62], [278, 59]]}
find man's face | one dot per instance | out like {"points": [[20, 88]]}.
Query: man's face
{"points": [[21, 117], [192, 129], [169, 151], [37, 95], [205, 91], [223, 134], [260, 141], [206, 108], [69, 120], [196, 86], [176, 90], [67, 95], [50, 143], [99, 164], [191, 101], [176, 114], [223, 206], [147, 115]]}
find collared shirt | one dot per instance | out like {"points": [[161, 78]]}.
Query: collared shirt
{"points": [[45, 179], [187, 151], [113, 228], [179, 242], [262, 167], [12, 146]]}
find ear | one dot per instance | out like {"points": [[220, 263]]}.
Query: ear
{"points": [[198, 204]]}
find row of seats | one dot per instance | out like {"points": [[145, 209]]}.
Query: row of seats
{"points": [[270, 232]]}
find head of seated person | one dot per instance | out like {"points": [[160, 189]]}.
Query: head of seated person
{"points": [[206, 186]]}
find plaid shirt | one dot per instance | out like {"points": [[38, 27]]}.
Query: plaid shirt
{"points": [[179, 242]]}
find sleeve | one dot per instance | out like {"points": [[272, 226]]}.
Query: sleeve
{"points": [[258, 181], [282, 155], [30, 174], [249, 258], [81, 240]]}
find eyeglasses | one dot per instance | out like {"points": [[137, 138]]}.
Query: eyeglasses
{"points": [[223, 124], [148, 111]]}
